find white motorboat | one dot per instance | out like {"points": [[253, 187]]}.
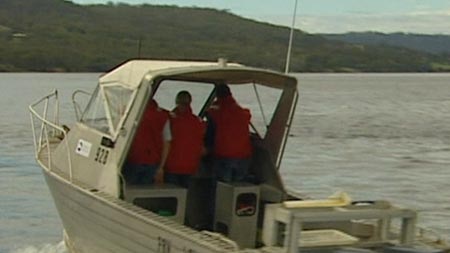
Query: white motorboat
{"points": [[102, 213]]}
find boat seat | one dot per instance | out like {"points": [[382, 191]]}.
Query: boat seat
{"points": [[166, 200]]}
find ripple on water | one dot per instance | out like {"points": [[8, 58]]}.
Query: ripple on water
{"points": [[46, 248]]}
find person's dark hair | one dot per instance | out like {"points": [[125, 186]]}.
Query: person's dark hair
{"points": [[183, 98], [222, 90]]}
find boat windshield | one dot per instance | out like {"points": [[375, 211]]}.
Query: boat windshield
{"points": [[261, 100], [107, 108]]}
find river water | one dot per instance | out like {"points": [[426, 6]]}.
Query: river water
{"points": [[374, 136]]}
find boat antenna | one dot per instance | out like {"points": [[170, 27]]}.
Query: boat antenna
{"points": [[139, 47], [288, 57]]}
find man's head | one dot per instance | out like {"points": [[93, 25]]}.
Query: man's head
{"points": [[183, 98], [222, 90]]}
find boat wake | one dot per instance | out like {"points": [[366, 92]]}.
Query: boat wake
{"points": [[47, 248]]}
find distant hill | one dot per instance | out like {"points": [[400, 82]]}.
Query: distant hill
{"points": [[58, 35], [435, 44]]}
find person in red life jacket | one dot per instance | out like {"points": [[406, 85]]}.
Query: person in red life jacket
{"points": [[186, 148], [150, 147], [229, 135]]}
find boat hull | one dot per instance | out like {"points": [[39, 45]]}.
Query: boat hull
{"points": [[94, 222]]}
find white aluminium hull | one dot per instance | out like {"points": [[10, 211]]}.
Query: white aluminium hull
{"points": [[97, 223]]}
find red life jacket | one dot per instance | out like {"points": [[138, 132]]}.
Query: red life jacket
{"points": [[186, 147], [148, 141], [232, 135]]}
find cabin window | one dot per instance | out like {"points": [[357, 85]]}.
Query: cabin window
{"points": [[117, 100], [262, 102], [168, 89], [107, 108]]}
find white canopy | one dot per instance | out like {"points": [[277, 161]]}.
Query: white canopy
{"points": [[132, 72]]}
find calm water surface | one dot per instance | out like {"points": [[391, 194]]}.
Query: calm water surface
{"points": [[375, 136]]}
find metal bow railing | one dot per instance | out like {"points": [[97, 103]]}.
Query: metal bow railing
{"points": [[47, 130]]}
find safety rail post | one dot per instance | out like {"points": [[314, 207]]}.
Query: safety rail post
{"points": [[47, 143], [44, 114], [408, 229], [56, 110], [34, 135], [292, 237]]}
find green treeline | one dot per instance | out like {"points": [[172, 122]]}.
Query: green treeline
{"points": [[435, 44], [57, 35]]}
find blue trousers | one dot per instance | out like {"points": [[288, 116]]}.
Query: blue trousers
{"points": [[139, 174], [231, 170], [177, 179]]}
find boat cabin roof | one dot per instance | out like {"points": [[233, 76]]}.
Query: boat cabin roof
{"points": [[136, 72]]}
